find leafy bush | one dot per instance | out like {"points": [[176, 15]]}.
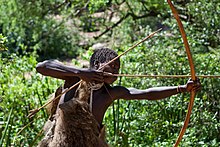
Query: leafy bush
{"points": [[22, 90], [34, 26], [3, 40]]}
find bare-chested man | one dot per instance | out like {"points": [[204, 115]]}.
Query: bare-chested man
{"points": [[103, 98]]}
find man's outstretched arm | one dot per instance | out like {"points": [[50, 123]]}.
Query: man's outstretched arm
{"points": [[156, 93]]}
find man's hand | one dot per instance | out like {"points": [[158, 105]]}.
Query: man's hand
{"points": [[90, 75], [192, 85]]}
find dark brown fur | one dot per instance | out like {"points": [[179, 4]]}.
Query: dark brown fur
{"points": [[75, 124]]}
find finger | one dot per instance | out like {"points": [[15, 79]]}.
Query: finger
{"points": [[97, 73], [197, 80], [107, 74], [98, 76], [193, 89], [196, 84], [196, 89], [190, 83], [190, 80], [98, 79]]}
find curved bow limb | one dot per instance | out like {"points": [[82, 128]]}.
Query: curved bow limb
{"points": [[186, 122], [192, 70]]}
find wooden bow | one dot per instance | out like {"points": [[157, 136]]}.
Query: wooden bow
{"points": [[192, 70]]}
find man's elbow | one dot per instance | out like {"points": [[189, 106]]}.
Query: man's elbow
{"points": [[41, 67]]}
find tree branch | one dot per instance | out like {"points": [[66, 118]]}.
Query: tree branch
{"points": [[134, 17], [113, 26], [54, 8]]}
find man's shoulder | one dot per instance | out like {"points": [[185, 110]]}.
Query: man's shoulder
{"points": [[119, 91], [115, 88]]}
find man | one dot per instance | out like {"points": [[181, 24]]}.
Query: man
{"points": [[103, 97]]}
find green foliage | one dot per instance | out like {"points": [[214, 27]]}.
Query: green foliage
{"points": [[97, 5], [33, 26], [3, 40], [207, 28], [22, 90]]}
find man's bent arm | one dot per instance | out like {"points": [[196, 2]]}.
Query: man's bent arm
{"points": [[56, 69]]}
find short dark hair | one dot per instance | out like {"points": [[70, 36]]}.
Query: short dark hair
{"points": [[102, 55]]}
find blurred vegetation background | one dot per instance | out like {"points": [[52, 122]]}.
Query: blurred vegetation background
{"points": [[68, 30]]}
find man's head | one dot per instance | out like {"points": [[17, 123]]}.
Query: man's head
{"points": [[102, 56]]}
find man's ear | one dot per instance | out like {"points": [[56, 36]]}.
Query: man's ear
{"points": [[96, 64]]}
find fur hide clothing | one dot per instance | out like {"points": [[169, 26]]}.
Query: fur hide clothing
{"points": [[74, 125]]}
